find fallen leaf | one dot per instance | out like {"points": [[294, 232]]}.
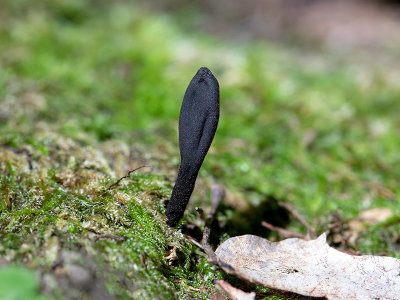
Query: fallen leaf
{"points": [[366, 218], [310, 268], [375, 215]]}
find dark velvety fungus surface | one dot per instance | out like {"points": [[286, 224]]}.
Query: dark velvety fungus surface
{"points": [[198, 122]]}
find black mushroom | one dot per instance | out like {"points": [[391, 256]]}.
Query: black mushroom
{"points": [[198, 121]]}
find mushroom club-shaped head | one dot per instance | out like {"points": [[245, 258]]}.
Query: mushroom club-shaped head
{"points": [[198, 122]]}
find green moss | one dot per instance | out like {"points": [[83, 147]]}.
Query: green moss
{"points": [[92, 90], [76, 207], [18, 283]]}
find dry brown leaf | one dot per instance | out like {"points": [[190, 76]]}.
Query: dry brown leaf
{"points": [[375, 215], [366, 218], [311, 268]]}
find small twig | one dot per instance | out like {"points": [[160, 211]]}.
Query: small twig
{"points": [[282, 231], [21, 151], [194, 289], [126, 176], [111, 237], [298, 216], [218, 194], [193, 241], [212, 257]]}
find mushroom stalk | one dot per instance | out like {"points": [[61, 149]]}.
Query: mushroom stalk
{"points": [[198, 121]]}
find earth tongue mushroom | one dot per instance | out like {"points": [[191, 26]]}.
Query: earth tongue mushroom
{"points": [[198, 121]]}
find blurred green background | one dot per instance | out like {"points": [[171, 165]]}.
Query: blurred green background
{"points": [[308, 117]]}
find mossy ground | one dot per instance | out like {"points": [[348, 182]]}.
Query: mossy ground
{"points": [[90, 90]]}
